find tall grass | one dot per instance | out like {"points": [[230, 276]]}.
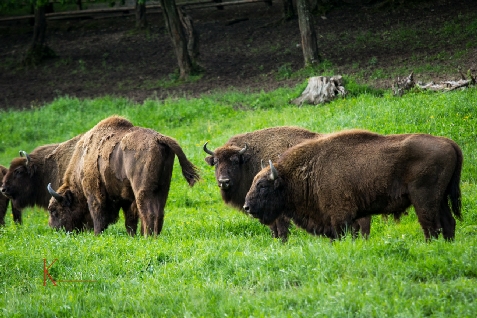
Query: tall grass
{"points": [[211, 260]]}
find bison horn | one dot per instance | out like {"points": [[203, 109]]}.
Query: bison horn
{"points": [[243, 149], [207, 150], [53, 193], [262, 164], [273, 171], [24, 154]]}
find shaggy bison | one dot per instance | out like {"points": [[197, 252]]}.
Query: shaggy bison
{"points": [[26, 180], [116, 164], [239, 160], [325, 184], [17, 217]]}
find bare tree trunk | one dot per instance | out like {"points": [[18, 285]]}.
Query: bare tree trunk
{"points": [[179, 38], [288, 10], [38, 49], [308, 36], [192, 37], [39, 29], [79, 4], [141, 22]]}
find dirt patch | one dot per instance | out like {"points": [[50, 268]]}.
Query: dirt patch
{"points": [[98, 57]]}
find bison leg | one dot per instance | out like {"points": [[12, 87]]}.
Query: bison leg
{"points": [[151, 211], [447, 221], [131, 218], [363, 225], [17, 215], [429, 221], [280, 228], [100, 214], [3, 210]]}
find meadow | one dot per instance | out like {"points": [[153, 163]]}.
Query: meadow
{"points": [[213, 261]]}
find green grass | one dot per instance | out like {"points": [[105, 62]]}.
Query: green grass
{"points": [[210, 260]]}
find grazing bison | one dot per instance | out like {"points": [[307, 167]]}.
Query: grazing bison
{"points": [[116, 164], [17, 217], [26, 180], [328, 183], [239, 160]]}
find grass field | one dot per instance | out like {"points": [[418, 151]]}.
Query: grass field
{"points": [[212, 261]]}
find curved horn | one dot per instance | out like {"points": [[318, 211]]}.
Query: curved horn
{"points": [[207, 150], [243, 149], [262, 164], [273, 171], [24, 154], [53, 193]]}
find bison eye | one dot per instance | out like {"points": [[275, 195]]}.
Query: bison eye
{"points": [[215, 162], [18, 172], [53, 213]]}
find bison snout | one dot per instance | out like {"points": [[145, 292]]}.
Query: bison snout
{"points": [[5, 191], [246, 208], [224, 184]]}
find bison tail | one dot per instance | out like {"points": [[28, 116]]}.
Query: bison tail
{"points": [[189, 170], [453, 189]]}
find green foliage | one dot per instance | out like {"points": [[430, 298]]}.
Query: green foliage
{"points": [[211, 260]]}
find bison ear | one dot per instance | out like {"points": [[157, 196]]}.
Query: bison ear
{"points": [[209, 160]]}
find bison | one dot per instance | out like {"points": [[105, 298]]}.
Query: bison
{"points": [[17, 217], [325, 184], [239, 160], [26, 180], [116, 164]]}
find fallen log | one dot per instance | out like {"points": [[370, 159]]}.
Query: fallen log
{"points": [[402, 85], [321, 89]]}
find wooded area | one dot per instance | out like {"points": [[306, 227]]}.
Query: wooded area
{"points": [[178, 23]]}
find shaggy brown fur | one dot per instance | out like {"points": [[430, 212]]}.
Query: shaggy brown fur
{"points": [[116, 164], [332, 181], [25, 183], [17, 217], [234, 172]]}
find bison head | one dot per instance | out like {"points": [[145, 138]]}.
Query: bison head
{"points": [[18, 183], [67, 212], [266, 199], [232, 171]]}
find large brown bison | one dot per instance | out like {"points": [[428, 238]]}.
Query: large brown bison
{"points": [[26, 180], [239, 160], [116, 164], [17, 217], [329, 182]]}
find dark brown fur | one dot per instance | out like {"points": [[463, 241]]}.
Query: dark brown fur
{"points": [[325, 184], [234, 172], [17, 217], [26, 184], [116, 164]]}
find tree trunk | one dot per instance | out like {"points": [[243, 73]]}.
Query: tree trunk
{"points": [[308, 36], [38, 49], [192, 37], [141, 22], [178, 36], [79, 4], [288, 10], [39, 29]]}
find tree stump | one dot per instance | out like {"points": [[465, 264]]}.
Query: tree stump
{"points": [[321, 89]]}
